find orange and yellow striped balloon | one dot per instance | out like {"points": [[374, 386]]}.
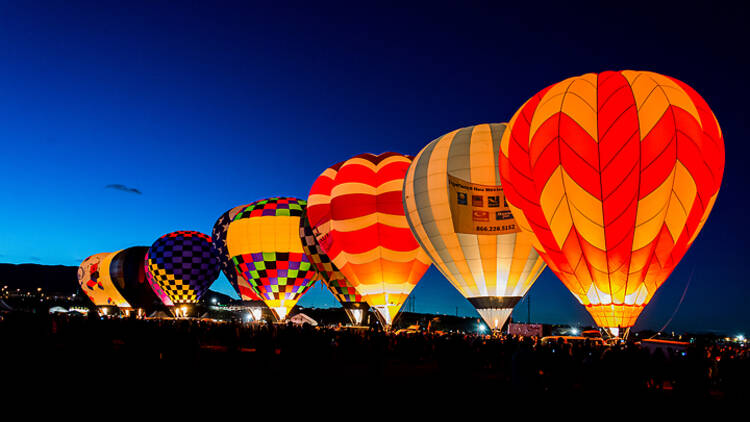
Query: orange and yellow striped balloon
{"points": [[615, 174], [357, 214], [492, 269]]}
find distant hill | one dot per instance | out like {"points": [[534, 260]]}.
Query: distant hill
{"points": [[57, 280], [53, 279]]}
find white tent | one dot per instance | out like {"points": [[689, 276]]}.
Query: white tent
{"points": [[57, 310], [159, 314], [301, 319]]}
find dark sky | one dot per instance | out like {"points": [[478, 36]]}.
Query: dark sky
{"points": [[202, 107]]}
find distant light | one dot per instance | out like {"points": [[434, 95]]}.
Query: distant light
{"points": [[481, 327], [574, 331], [741, 337], [213, 301]]}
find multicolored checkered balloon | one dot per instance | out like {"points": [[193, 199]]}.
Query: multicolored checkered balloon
{"points": [[183, 264], [266, 249]]}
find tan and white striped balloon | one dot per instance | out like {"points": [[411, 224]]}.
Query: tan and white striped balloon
{"points": [[493, 271]]}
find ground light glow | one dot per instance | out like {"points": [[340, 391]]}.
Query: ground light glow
{"points": [[280, 312], [357, 314]]}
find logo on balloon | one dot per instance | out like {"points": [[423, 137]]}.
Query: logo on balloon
{"points": [[483, 216]]}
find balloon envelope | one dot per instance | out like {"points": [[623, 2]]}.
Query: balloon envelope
{"points": [[127, 273], [93, 276], [615, 175], [266, 249], [184, 265], [356, 209], [456, 210]]}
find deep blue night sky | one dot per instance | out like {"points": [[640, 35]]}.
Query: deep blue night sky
{"points": [[205, 107]]}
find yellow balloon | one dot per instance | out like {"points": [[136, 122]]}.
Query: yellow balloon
{"points": [[96, 283]]}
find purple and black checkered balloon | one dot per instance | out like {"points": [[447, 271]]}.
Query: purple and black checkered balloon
{"points": [[184, 264]]}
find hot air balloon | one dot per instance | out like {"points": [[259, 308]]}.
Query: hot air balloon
{"points": [[456, 210], [356, 210], [93, 276], [127, 273], [266, 249], [614, 174], [219, 236], [352, 302], [184, 265]]}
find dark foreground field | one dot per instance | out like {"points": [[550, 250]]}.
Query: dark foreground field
{"points": [[47, 350]]}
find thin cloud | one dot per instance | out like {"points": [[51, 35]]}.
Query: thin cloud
{"points": [[124, 188]]}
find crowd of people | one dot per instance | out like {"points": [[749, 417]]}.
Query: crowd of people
{"points": [[60, 345]]}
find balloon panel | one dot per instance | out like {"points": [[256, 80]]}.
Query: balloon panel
{"points": [[219, 236], [280, 277], [114, 295], [95, 286], [615, 174], [155, 287], [337, 284]]}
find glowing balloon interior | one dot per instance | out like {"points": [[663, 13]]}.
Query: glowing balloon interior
{"points": [[96, 284], [266, 249], [356, 210], [614, 174], [184, 265], [484, 257]]}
